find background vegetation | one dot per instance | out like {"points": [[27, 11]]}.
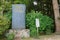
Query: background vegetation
{"points": [[46, 22]]}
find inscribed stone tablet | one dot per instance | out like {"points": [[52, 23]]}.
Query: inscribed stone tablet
{"points": [[18, 16]]}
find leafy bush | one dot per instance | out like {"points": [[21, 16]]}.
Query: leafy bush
{"points": [[46, 23], [10, 36], [4, 24], [8, 15], [22, 2]]}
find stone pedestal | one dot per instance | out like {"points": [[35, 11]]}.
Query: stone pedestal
{"points": [[25, 33]]}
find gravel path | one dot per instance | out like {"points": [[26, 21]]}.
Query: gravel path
{"points": [[45, 37]]}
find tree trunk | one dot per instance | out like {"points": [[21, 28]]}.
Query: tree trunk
{"points": [[56, 14]]}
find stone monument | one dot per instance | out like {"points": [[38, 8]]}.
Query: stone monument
{"points": [[18, 21], [18, 16]]}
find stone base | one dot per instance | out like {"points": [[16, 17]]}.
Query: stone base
{"points": [[25, 33]]}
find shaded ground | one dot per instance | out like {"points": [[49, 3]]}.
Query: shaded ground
{"points": [[45, 37], [2, 38]]}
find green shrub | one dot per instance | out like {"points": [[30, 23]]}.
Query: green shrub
{"points": [[46, 23], [22, 2], [33, 32], [8, 15], [10, 36], [4, 24]]}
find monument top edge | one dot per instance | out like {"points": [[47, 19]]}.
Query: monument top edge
{"points": [[18, 4]]}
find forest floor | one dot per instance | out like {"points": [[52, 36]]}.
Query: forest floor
{"points": [[45, 37], [41, 37]]}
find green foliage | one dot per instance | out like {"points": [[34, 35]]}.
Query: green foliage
{"points": [[10, 36], [7, 4], [46, 23], [21, 2], [33, 32], [4, 24], [8, 15]]}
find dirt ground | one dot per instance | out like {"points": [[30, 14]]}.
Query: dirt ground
{"points": [[45, 37]]}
